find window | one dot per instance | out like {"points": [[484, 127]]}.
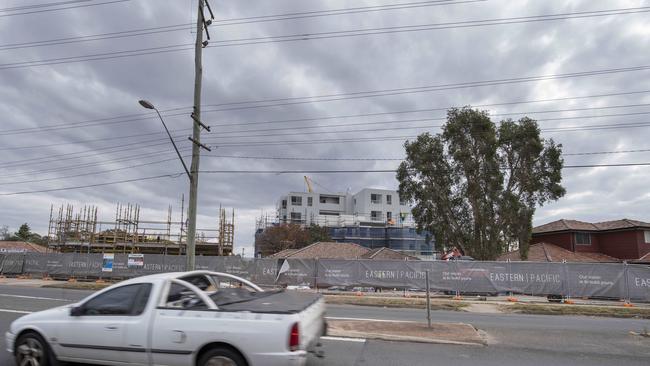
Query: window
{"points": [[119, 301], [583, 239], [295, 216], [389, 215], [402, 201], [375, 215], [296, 201], [310, 201], [389, 199], [329, 213], [182, 297], [284, 203], [375, 198], [329, 199], [646, 234]]}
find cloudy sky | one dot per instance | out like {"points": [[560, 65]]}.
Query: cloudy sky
{"points": [[71, 75]]}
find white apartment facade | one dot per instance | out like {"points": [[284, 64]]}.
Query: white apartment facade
{"points": [[368, 206]]}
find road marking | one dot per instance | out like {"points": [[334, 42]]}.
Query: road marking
{"points": [[35, 297], [372, 320], [15, 311], [343, 339]]}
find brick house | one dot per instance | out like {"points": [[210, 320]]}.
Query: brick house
{"points": [[623, 239]]}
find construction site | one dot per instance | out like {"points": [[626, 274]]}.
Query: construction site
{"points": [[80, 230]]}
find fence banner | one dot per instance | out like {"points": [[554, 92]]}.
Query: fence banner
{"points": [[11, 263], [638, 281], [296, 272], [335, 272], [533, 278], [610, 280], [596, 280], [264, 271]]}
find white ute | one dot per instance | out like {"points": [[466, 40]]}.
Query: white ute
{"points": [[197, 318]]}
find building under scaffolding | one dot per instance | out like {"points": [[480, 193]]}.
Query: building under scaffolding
{"points": [[81, 231]]}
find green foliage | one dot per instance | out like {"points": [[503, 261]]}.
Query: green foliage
{"points": [[476, 185], [290, 236], [318, 233], [25, 233]]}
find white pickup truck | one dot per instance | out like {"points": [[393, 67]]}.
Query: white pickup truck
{"points": [[197, 318]]}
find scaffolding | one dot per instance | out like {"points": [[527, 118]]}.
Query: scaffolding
{"points": [[80, 230]]}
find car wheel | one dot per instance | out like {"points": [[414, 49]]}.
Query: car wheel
{"points": [[221, 357], [32, 350]]}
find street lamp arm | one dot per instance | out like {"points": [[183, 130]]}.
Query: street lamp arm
{"points": [[189, 175]]}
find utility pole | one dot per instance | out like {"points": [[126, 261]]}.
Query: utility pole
{"points": [[201, 24]]}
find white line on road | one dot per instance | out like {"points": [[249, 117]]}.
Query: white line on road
{"points": [[371, 320], [14, 311], [35, 297], [343, 339]]}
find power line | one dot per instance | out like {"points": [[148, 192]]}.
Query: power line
{"points": [[228, 22], [327, 35], [60, 8], [393, 122], [425, 27], [92, 164], [33, 6], [420, 89], [93, 185], [424, 110]]}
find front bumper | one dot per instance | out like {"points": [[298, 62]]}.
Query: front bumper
{"points": [[10, 338]]}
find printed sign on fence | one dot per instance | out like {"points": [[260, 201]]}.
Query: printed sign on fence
{"points": [[107, 262], [135, 261]]}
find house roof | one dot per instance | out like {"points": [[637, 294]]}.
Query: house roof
{"points": [[325, 250], [545, 252], [20, 247], [387, 253], [575, 225]]}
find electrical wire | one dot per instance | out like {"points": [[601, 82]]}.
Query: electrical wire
{"points": [[329, 35], [61, 8]]}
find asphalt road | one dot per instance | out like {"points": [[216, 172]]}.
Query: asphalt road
{"points": [[513, 339]]}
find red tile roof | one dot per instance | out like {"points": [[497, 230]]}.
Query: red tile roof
{"points": [[387, 253], [20, 247], [544, 252], [574, 225], [325, 250]]}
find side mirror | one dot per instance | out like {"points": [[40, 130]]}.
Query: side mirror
{"points": [[76, 311]]}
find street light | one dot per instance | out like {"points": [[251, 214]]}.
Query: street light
{"points": [[148, 105]]}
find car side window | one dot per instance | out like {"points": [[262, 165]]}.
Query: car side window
{"points": [[119, 301], [182, 297]]}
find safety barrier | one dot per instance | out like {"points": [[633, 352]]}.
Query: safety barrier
{"points": [[606, 280]]}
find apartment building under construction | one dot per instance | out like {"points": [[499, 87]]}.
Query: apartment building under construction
{"points": [[82, 231]]}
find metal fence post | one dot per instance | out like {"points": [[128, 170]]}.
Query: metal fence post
{"points": [[627, 285], [428, 300]]}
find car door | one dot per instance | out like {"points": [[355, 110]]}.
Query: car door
{"points": [[96, 332], [174, 337]]}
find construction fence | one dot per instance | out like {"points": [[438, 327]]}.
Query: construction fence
{"points": [[606, 280]]}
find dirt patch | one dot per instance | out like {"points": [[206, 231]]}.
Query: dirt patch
{"points": [[483, 308], [447, 333], [393, 302], [604, 311]]}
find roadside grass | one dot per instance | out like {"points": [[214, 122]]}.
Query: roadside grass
{"points": [[393, 302], [586, 310], [77, 285]]}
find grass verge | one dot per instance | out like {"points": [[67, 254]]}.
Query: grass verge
{"points": [[78, 285], [586, 310], [393, 302]]}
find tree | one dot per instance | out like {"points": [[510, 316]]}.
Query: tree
{"points": [[476, 186], [4, 232], [290, 236], [24, 232]]}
